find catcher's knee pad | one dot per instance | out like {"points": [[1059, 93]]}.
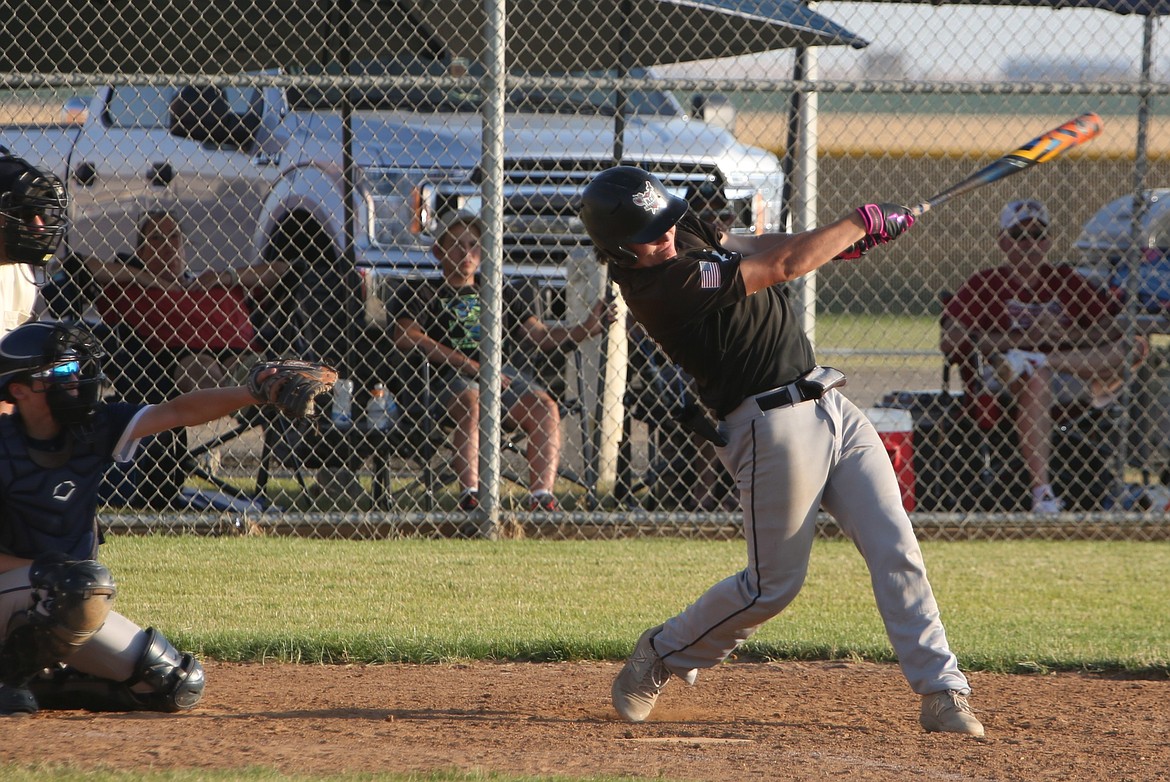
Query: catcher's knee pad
{"points": [[71, 602], [175, 678], [164, 680]]}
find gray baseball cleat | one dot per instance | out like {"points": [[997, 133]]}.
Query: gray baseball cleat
{"points": [[644, 675], [949, 712]]}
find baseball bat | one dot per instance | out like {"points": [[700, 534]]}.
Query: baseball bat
{"points": [[1039, 150]]}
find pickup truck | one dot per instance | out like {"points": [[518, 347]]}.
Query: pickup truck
{"points": [[257, 173]]}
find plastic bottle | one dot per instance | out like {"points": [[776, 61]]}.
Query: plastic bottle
{"points": [[342, 414], [378, 409]]}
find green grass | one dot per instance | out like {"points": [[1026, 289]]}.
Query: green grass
{"points": [[1008, 606], [877, 332]]}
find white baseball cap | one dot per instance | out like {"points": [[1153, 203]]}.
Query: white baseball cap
{"points": [[1020, 212]]}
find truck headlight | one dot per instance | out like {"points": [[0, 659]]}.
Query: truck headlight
{"points": [[758, 201], [403, 206], [400, 206]]}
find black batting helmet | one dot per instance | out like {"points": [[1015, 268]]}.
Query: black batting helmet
{"points": [[625, 205], [26, 194], [67, 359]]}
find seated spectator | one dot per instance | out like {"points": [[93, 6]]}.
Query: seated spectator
{"points": [[687, 473], [1046, 335], [441, 318], [201, 322]]}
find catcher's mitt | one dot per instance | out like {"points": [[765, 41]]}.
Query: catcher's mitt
{"points": [[294, 385]]}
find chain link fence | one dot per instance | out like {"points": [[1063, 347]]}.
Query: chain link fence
{"points": [[254, 179]]}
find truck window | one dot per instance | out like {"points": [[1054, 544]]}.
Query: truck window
{"points": [[138, 106], [148, 106], [204, 113]]}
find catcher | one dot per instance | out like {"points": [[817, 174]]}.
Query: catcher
{"points": [[61, 644]]}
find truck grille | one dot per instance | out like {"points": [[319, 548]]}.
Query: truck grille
{"points": [[541, 198], [541, 227]]}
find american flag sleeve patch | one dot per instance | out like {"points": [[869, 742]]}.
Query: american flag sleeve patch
{"points": [[710, 275]]}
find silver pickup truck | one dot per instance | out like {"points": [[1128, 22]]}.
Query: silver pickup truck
{"points": [[257, 173]]}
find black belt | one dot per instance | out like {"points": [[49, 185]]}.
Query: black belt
{"points": [[812, 385], [785, 396]]}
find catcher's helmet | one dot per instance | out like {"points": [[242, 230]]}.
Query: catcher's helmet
{"points": [[625, 205], [32, 206], [67, 359]]}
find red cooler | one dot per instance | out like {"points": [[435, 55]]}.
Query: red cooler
{"points": [[896, 428]]}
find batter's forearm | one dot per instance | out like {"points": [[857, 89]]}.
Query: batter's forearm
{"points": [[1095, 334], [800, 254], [263, 275], [984, 342], [118, 273]]}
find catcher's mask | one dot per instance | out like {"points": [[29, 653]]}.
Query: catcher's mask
{"points": [[625, 205], [65, 359], [32, 206]]}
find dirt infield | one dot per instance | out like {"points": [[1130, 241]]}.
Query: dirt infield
{"points": [[743, 721]]}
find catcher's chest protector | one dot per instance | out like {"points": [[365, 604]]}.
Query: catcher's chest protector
{"points": [[48, 509]]}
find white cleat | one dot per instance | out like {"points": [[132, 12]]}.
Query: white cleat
{"points": [[949, 712], [637, 686]]}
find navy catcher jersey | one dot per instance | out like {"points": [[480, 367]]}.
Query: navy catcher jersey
{"points": [[695, 306], [45, 509]]}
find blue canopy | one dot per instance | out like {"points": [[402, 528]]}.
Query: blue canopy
{"points": [[569, 35], [229, 36]]}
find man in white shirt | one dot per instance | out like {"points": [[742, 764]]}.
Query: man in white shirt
{"points": [[32, 224]]}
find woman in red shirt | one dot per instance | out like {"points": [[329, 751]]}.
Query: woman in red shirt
{"points": [[203, 322]]}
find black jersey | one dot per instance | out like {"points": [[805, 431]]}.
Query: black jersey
{"points": [[696, 308], [45, 509], [451, 316]]}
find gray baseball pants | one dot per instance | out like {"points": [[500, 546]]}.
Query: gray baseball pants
{"points": [[112, 653], [787, 463]]}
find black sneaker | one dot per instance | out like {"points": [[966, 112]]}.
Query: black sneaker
{"points": [[542, 501], [469, 500], [16, 700]]}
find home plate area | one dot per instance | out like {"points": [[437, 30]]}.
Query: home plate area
{"points": [[742, 720]]}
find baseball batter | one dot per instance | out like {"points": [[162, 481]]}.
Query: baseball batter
{"points": [[793, 442]]}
